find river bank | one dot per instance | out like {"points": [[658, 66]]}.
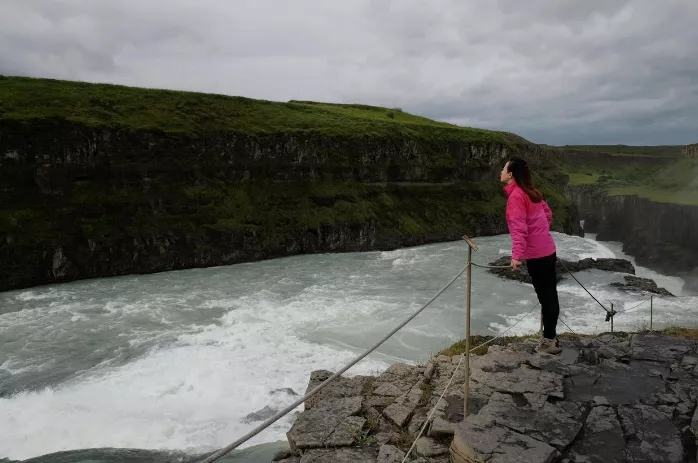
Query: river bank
{"points": [[605, 398]]}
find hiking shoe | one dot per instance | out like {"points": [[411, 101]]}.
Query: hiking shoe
{"points": [[548, 346]]}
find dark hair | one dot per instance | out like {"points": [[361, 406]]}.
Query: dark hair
{"points": [[522, 175]]}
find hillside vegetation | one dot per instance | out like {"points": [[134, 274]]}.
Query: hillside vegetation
{"points": [[101, 180], [659, 150], [656, 173], [98, 105]]}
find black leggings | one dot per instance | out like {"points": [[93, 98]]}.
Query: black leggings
{"points": [[542, 271]]}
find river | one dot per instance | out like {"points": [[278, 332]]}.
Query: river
{"points": [[177, 360]]}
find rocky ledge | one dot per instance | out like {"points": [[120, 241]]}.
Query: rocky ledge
{"points": [[521, 274], [632, 283], [614, 398], [642, 285]]}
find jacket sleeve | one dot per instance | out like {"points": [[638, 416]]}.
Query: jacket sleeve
{"points": [[516, 221], [548, 212]]}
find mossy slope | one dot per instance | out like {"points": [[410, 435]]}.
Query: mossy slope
{"points": [[100, 180]]}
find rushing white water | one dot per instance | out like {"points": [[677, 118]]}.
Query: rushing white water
{"points": [[176, 360]]}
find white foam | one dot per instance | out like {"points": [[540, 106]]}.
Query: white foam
{"points": [[40, 295], [211, 344], [190, 397]]}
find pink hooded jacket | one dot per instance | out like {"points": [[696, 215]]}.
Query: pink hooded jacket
{"points": [[529, 225]]}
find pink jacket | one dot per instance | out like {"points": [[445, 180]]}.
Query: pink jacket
{"points": [[529, 225]]}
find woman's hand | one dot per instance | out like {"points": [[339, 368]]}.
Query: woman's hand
{"points": [[515, 264]]}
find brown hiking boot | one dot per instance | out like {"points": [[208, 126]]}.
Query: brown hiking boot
{"points": [[548, 346]]}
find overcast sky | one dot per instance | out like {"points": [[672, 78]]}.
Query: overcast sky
{"points": [[553, 71]]}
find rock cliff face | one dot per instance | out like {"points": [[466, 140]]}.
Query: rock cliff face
{"points": [[690, 151], [573, 156], [79, 201], [658, 235]]}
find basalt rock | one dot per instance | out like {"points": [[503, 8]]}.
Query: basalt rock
{"points": [[635, 402], [659, 235], [641, 285], [521, 274]]}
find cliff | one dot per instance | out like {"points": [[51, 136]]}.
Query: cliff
{"points": [[660, 235], [647, 201], [101, 180]]}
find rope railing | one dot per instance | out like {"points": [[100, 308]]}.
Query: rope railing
{"points": [[474, 264], [448, 384], [609, 313], [471, 247], [218, 454]]}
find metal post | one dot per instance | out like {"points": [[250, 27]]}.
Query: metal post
{"points": [[466, 387], [611, 317], [651, 308]]}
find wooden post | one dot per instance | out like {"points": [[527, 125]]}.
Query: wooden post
{"points": [[651, 309], [466, 387], [611, 317]]}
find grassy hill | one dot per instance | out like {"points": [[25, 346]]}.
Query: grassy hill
{"points": [[102, 180], [659, 150], [98, 105], [659, 173], [675, 183]]}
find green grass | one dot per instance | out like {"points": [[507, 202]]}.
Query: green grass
{"points": [[674, 180], [687, 198], [577, 178], [660, 150], [691, 333], [476, 339], [27, 99], [675, 183], [680, 175], [427, 389], [458, 348], [625, 171], [181, 200]]}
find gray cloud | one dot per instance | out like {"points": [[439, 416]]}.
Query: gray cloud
{"points": [[599, 71]]}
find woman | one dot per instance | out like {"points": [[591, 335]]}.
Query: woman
{"points": [[528, 218]]}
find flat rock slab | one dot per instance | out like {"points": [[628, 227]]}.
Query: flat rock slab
{"points": [[660, 348], [345, 433], [602, 440], [651, 435], [612, 398], [521, 380], [554, 424], [401, 411], [390, 454], [616, 382], [402, 377], [558, 364], [329, 417], [339, 387], [353, 455], [475, 442], [427, 447], [500, 359]]}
